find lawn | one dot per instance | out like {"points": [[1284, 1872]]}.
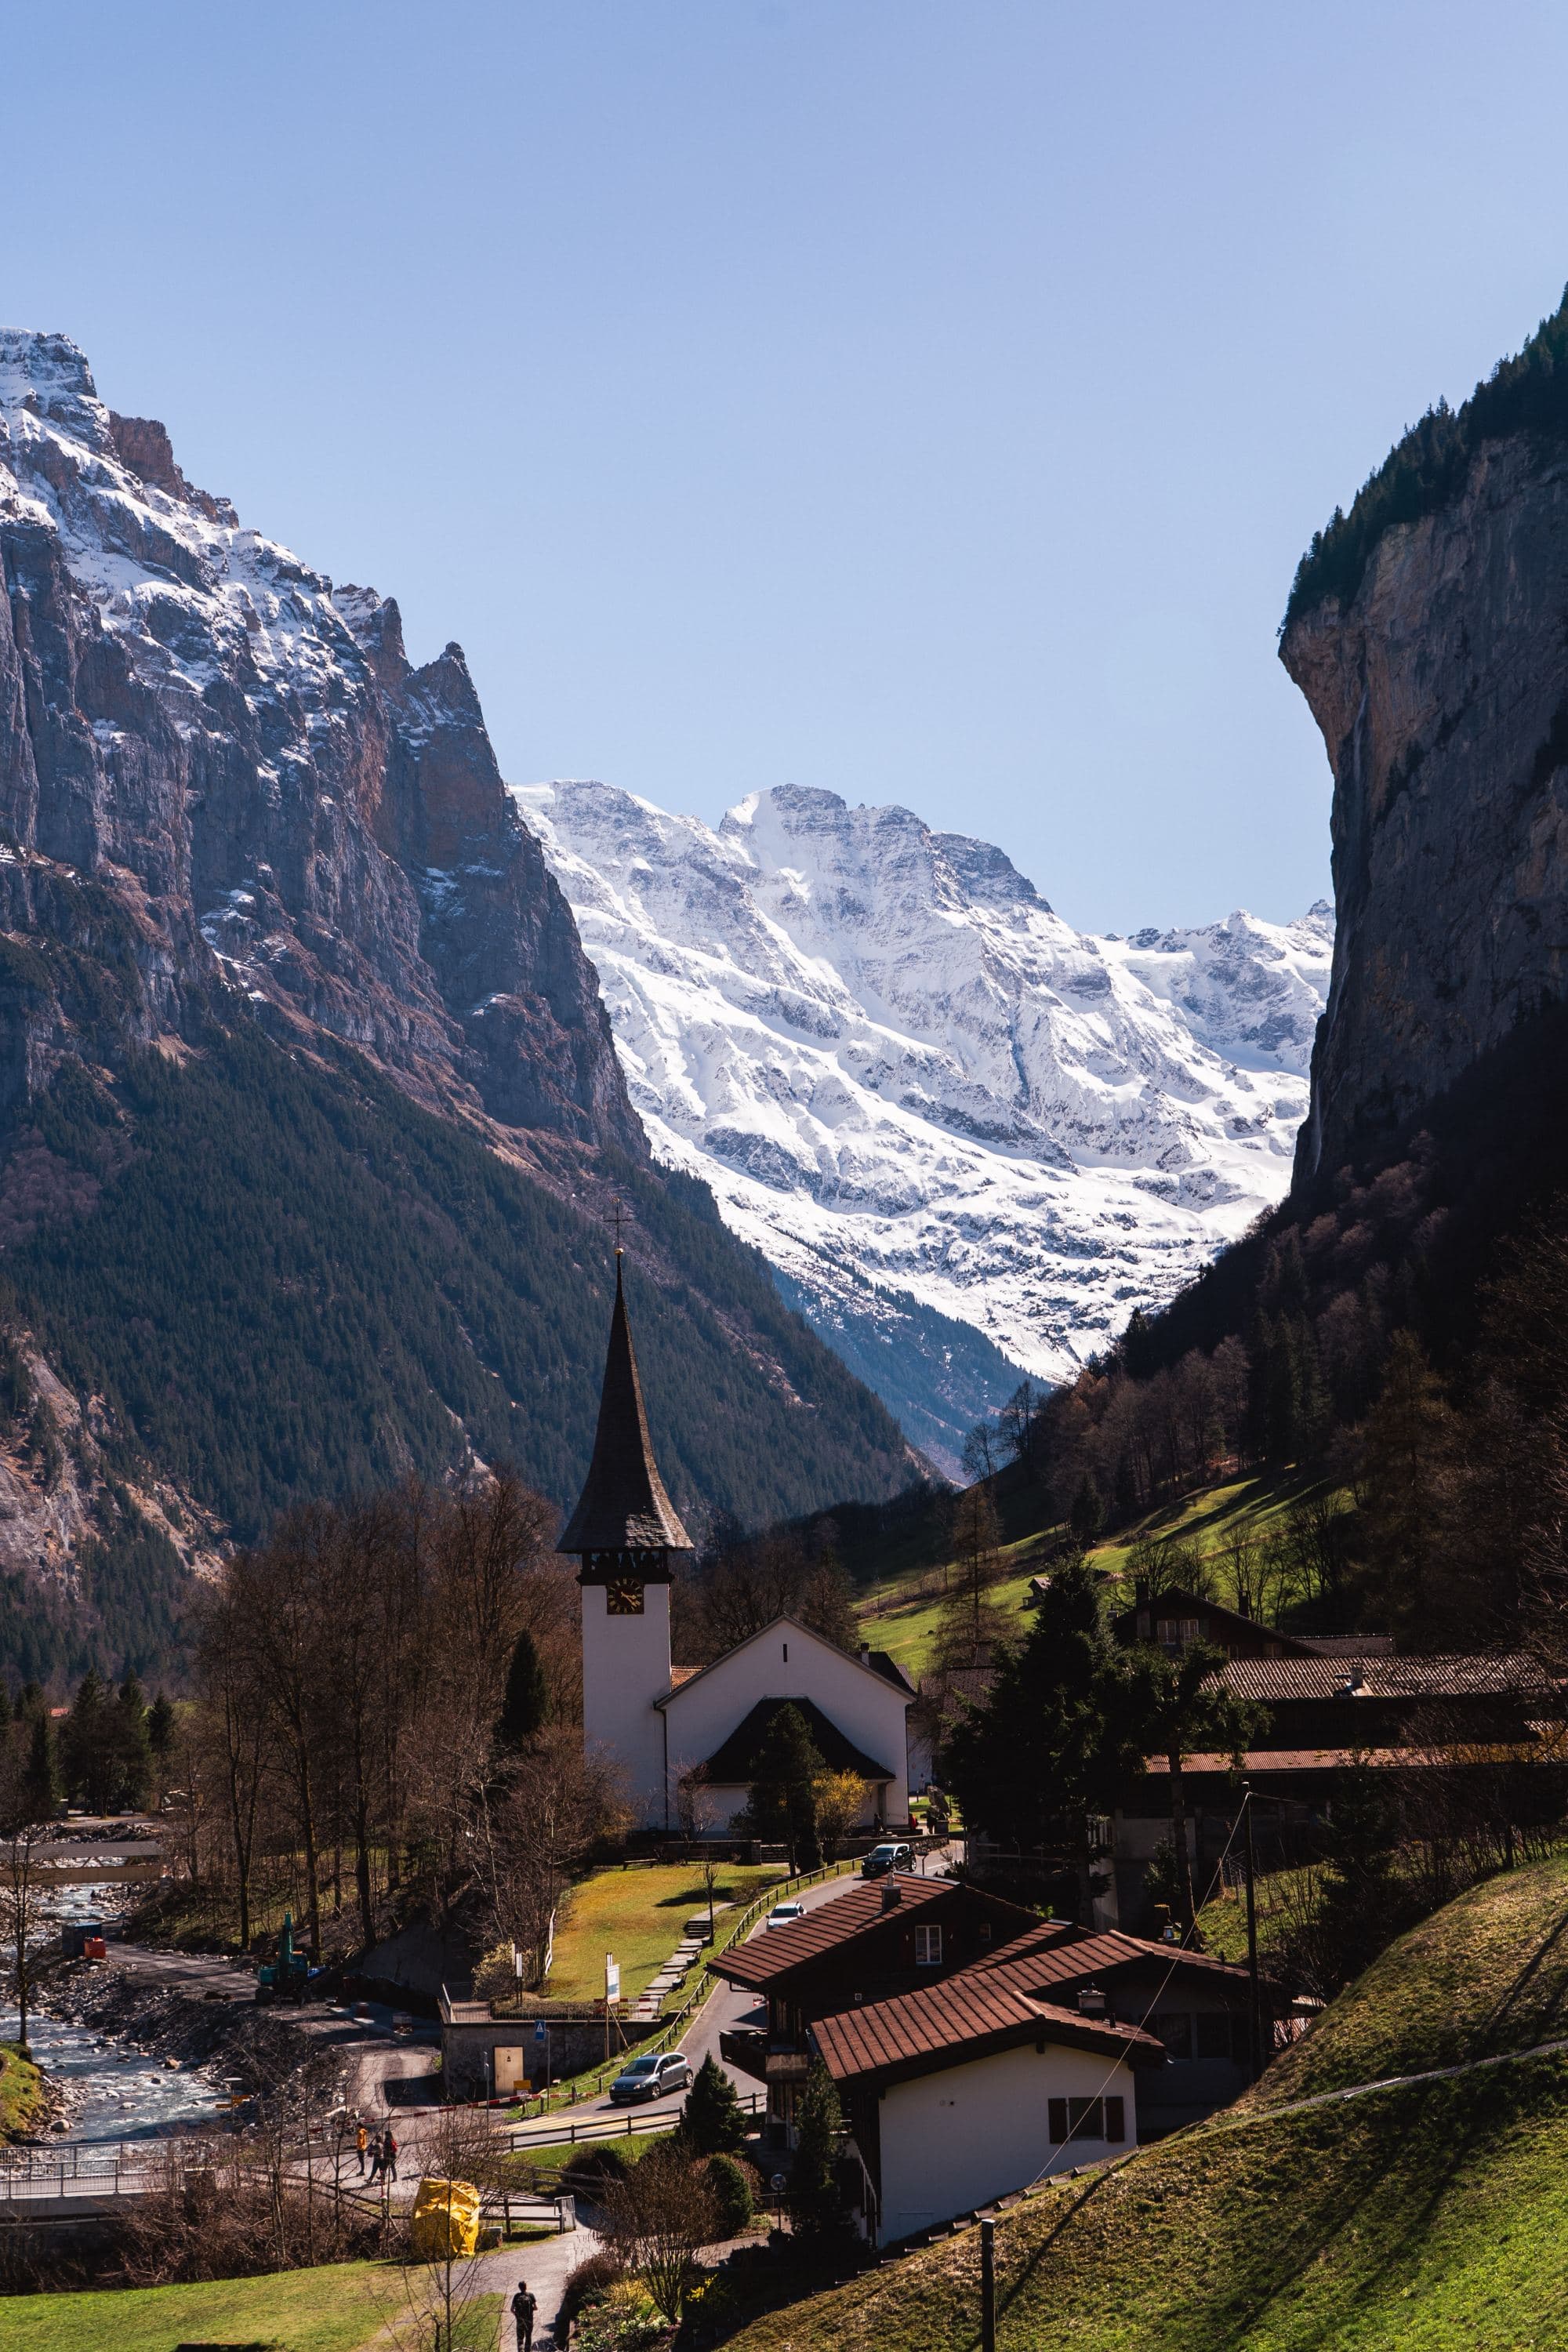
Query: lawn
{"points": [[337, 2308], [1487, 1973], [1407, 2221], [640, 1915]]}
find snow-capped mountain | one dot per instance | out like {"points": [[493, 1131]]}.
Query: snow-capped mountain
{"points": [[935, 1108]]}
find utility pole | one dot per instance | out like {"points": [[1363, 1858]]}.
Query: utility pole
{"points": [[988, 2286], [1254, 2014]]}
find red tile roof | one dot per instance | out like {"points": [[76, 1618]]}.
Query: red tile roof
{"points": [[963, 2019], [1050, 1957], [764, 1957]]}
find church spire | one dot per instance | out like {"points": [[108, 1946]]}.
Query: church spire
{"points": [[623, 1507]]}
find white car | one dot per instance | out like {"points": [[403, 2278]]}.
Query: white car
{"points": [[784, 1914]]}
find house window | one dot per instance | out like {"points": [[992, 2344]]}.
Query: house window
{"points": [[985, 1931], [928, 1947], [1173, 2027], [1214, 2036], [1179, 1632], [1071, 2119]]}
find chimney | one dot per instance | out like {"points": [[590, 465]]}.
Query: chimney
{"points": [[892, 1893], [1091, 2002]]}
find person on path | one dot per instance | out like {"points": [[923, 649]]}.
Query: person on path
{"points": [[389, 2156], [523, 2306], [361, 2143]]}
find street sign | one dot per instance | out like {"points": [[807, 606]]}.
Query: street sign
{"points": [[612, 1977], [539, 2030]]}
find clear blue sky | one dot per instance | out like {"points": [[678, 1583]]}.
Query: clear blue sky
{"points": [[926, 401]]}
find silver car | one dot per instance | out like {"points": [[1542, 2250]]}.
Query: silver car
{"points": [[650, 2078]]}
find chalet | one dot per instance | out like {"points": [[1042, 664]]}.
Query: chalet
{"points": [[964, 2091], [885, 1938], [667, 1730], [1325, 1714], [950, 1967], [1176, 1619]]}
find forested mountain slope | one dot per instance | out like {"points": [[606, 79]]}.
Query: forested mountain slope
{"points": [[311, 1122]]}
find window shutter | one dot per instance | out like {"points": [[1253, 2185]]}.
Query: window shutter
{"points": [[1115, 2120], [1058, 2121]]}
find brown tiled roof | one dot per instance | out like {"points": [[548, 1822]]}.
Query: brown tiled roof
{"points": [[963, 2017], [623, 1505], [764, 1957], [1380, 1678], [1052, 1956]]}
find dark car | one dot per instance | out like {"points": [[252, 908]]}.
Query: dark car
{"points": [[883, 1858], [650, 2078]]}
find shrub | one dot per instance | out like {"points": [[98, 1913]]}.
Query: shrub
{"points": [[734, 2201], [711, 2122]]}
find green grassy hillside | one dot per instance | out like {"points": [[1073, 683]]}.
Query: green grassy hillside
{"points": [[1405, 2220], [901, 1583]]}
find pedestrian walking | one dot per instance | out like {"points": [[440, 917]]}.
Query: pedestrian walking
{"points": [[523, 2306], [361, 2144], [389, 2156]]}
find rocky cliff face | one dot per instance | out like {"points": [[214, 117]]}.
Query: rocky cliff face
{"points": [[311, 1118], [217, 774], [1441, 689]]}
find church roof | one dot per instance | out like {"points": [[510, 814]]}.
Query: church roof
{"points": [[736, 1760], [623, 1505], [867, 1662]]}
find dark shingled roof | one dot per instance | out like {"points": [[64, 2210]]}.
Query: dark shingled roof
{"points": [[736, 1760], [623, 1506]]}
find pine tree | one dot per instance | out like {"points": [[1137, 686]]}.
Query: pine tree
{"points": [[161, 1728], [38, 1796], [1087, 1518], [526, 1705], [815, 2201], [711, 2122], [782, 1797], [132, 1747], [1056, 1732], [86, 1763]]}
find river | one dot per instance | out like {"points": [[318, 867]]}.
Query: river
{"points": [[113, 2089]]}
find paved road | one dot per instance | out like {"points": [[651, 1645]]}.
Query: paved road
{"points": [[730, 2007]]}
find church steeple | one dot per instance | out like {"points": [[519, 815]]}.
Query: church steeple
{"points": [[625, 1524]]}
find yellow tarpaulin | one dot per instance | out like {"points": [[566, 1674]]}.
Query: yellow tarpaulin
{"points": [[446, 2219]]}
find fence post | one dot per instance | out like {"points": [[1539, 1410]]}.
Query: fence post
{"points": [[987, 2286]]}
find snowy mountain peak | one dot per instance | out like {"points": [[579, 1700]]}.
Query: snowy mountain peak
{"points": [[916, 1088]]}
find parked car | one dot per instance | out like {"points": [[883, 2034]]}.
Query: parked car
{"points": [[784, 1914], [883, 1858], [650, 2078]]}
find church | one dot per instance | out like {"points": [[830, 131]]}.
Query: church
{"points": [[700, 1727]]}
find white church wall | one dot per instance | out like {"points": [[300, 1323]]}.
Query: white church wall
{"points": [[787, 1661], [625, 1666]]}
